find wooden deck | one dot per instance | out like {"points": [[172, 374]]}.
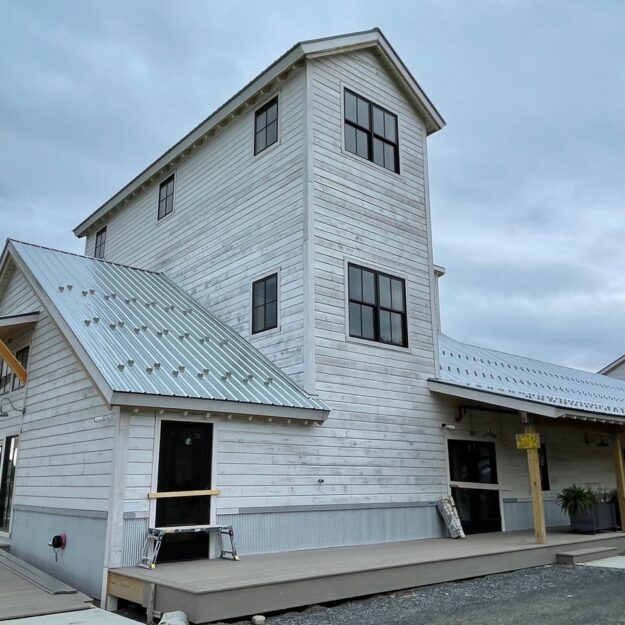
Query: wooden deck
{"points": [[209, 590]]}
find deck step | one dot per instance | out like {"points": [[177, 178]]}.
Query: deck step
{"points": [[585, 555], [34, 575]]}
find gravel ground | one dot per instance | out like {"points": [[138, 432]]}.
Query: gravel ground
{"points": [[547, 595]]}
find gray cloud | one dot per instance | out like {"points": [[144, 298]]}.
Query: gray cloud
{"points": [[527, 187]]}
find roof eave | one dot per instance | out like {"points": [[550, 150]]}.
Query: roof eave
{"points": [[613, 365], [171, 402]]}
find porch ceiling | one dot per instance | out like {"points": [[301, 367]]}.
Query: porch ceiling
{"points": [[13, 324]]}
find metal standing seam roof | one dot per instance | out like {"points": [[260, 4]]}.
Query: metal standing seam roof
{"points": [[519, 377], [146, 335]]}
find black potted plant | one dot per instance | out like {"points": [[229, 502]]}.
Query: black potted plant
{"points": [[589, 511]]}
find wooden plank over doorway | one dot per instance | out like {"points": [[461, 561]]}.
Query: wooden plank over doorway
{"points": [[12, 362]]}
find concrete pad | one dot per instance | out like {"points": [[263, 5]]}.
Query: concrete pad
{"points": [[615, 562], [93, 616]]}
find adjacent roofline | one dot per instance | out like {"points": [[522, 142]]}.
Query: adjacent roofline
{"points": [[19, 320], [613, 365], [174, 402], [522, 405], [239, 102]]}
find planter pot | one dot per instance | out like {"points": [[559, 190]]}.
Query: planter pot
{"points": [[599, 517]]}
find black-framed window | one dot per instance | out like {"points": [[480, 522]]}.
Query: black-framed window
{"points": [[265, 304], [6, 376], [22, 357], [544, 467], [371, 131], [266, 126], [377, 306], [472, 461], [166, 197], [100, 243]]}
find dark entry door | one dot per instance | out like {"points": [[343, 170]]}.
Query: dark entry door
{"points": [[185, 459], [7, 480], [475, 462]]}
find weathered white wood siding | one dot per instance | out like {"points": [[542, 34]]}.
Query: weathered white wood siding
{"points": [[237, 217], [64, 457]]}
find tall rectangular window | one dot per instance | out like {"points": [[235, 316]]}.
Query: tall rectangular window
{"points": [[371, 132], [166, 197], [266, 126], [100, 243], [22, 357], [7, 480], [265, 304], [377, 306]]}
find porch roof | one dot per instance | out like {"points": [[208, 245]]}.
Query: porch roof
{"points": [[521, 383], [146, 342]]}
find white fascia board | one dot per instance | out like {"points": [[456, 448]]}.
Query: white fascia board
{"points": [[167, 402], [90, 367], [494, 399]]}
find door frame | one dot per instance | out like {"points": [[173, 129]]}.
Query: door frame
{"points": [[8, 434], [160, 417], [477, 485]]}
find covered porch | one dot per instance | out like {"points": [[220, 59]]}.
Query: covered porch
{"points": [[209, 590]]}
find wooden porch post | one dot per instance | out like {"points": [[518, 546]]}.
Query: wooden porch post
{"points": [[620, 476], [538, 506]]}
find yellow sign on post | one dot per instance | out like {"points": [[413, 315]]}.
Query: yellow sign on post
{"points": [[528, 440]]}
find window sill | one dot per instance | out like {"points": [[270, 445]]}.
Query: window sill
{"points": [[165, 218], [365, 161], [377, 344], [275, 330]]}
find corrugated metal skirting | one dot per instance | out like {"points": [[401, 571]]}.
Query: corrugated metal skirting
{"points": [[135, 531]]}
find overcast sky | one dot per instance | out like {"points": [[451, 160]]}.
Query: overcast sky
{"points": [[527, 180]]}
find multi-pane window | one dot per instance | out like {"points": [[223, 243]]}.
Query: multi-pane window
{"points": [[266, 126], [166, 197], [377, 306], [8, 380], [472, 461], [265, 304], [100, 243], [371, 131]]}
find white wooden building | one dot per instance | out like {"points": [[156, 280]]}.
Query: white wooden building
{"points": [[269, 284]]}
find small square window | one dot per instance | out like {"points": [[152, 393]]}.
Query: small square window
{"points": [[265, 304], [100, 243], [166, 197], [266, 126]]}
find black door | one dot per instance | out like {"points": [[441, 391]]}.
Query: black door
{"points": [[7, 475], [184, 464], [475, 462]]}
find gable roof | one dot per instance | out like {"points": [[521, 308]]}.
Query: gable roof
{"points": [[146, 342], [236, 104], [613, 365], [525, 384]]}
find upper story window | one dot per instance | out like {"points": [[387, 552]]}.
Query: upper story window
{"points": [[377, 306], [371, 131], [100, 243], [8, 380], [166, 197], [265, 304], [266, 126]]}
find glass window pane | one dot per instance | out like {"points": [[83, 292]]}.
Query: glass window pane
{"points": [[272, 113], [385, 326], [378, 152], [271, 289], [397, 328], [363, 113], [161, 208], [170, 187], [271, 315], [378, 121], [259, 293], [368, 331], [355, 329], [350, 107], [170, 205], [260, 141], [361, 144], [390, 128], [389, 156], [398, 295], [259, 319], [261, 120], [350, 138], [355, 283], [368, 287], [272, 133], [384, 286]]}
